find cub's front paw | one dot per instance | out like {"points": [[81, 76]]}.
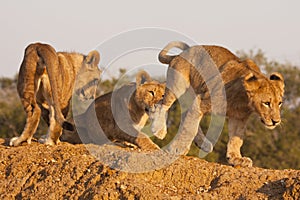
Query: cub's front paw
{"points": [[48, 141], [161, 134], [16, 141], [146, 144], [240, 161], [177, 150]]}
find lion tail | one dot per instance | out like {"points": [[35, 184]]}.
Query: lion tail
{"points": [[48, 57], [166, 59]]}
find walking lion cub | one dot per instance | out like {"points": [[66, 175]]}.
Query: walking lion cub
{"points": [[236, 87]]}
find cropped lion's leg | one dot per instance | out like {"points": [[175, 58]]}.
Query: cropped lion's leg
{"points": [[236, 129], [202, 142], [159, 120], [54, 131], [33, 114]]}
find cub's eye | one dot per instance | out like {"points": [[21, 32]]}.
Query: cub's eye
{"points": [[152, 93], [267, 104], [280, 104]]}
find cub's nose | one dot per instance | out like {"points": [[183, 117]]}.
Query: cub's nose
{"points": [[275, 122]]}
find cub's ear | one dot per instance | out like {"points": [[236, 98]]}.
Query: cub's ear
{"points": [[142, 77], [252, 65], [276, 76], [93, 58], [251, 82], [278, 80]]}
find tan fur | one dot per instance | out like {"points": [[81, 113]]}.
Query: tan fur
{"points": [[45, 86], [120, 114], [247, 91]]}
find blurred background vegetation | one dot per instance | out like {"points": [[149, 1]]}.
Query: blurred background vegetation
{"points": [[277, 149]]}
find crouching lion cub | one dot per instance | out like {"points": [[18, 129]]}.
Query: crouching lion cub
{"points": [[120, 115], [246, 90]]}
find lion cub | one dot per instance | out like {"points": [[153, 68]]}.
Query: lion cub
{"points": [[235, 88], [120, 115], [45, 86]]}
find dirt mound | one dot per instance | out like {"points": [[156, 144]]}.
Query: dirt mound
{"points": [[70, 171]]}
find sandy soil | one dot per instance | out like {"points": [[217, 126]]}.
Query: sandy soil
{"points": [[69, 171]]}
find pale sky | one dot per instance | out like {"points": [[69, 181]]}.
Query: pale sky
{"points": [[271, 25]]}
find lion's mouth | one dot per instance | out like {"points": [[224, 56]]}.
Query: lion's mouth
{"points": [[268, 126], [147, 110], [84, 88]]}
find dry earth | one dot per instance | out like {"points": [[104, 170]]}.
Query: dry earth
{"points": [[69, 171]]}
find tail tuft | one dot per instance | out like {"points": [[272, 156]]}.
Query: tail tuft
{"points": [[166, 59]]}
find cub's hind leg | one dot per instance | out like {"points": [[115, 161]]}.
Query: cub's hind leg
{"points": [[188, 129], [33, 114], [28, 86], [54, 131]]}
